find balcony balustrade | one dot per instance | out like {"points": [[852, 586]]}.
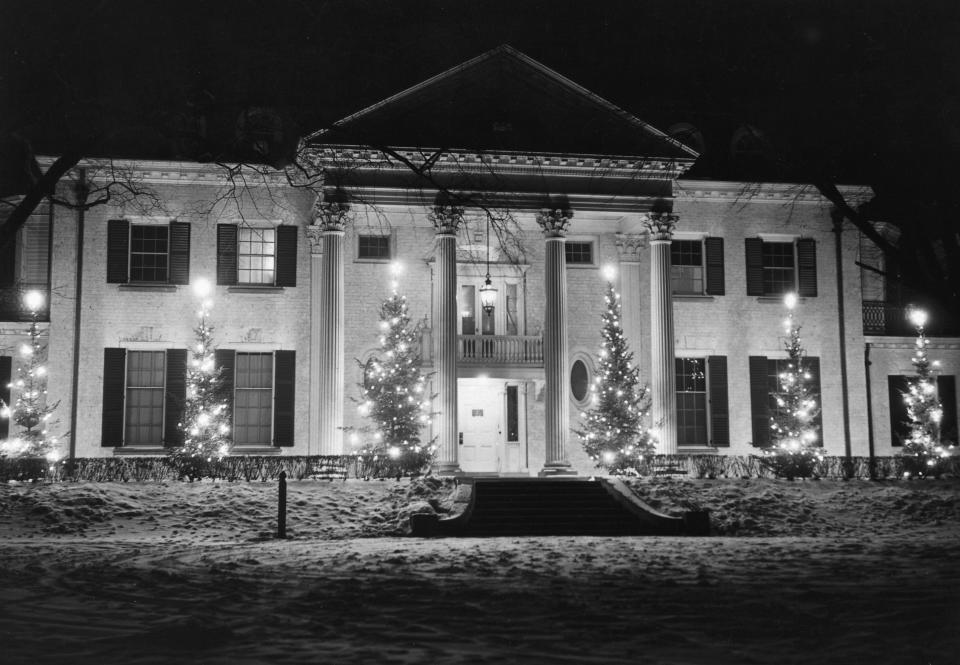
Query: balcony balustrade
{"points": [[500, 350]]}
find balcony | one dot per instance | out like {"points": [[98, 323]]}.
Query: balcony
{"points": [[500, 350], [882, 318]]}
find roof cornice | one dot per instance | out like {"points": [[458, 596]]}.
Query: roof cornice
{"points": [[763, 192]]}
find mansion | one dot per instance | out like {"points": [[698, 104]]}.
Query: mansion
{"points": [[519, 180]]}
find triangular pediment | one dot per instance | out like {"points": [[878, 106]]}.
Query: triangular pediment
{"points": [[503, 101]]}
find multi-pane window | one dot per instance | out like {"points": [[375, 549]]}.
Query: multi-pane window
{"points": [[148, 253], [686, 266], [253, 399], [256, 255], [778, 268], [692, 412], [373, 247], [510, 294], [143, 422], [578, 252]]}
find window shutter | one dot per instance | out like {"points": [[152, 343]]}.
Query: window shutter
{"points": [[114, 371], [807, 268], [754, 266], [227, 255], [947, 392], [6, 371], [896, 387], [179, 253], [8, 263], [284, 374], [176, 397], [719, 401], [759, 401], [226, 359], [812, 364], [287, 256], [715, 279], [118, 251]]}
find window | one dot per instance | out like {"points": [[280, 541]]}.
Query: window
{"points": [[579, 382], [686, 266], [691, 377], [256, 256], [253, 399], [143, 422], [376, 248], [256, 260], [510, 294], [579, 252], [777, 268], [148, 253], [765, 381]]}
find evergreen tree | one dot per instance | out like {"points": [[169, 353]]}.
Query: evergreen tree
{"points": [[30, 410], [922, 447], [206, 414], [793, 450], [394, 392], [612, 431]]}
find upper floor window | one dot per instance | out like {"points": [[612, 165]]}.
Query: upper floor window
{"points": [[775, 268], [579, 252], [256, 256], [686, 266], [373, 247], [148, 253]]}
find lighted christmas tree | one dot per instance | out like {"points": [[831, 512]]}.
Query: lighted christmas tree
{"points": [[395, 396], [206, 414], [613, 430], [793, 448], [922, 447], [30, 411]]}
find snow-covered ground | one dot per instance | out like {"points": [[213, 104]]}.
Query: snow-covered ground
{"points": [[803, 572]]}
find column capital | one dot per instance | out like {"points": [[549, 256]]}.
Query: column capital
{"points": [[315, 237], [629, 245], [446, 218], [660, 225], [331, 215], [554, 221]]}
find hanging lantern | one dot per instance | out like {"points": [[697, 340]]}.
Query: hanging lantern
{"points": [[488, 296]]}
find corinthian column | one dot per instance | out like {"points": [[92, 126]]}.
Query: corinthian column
{"points": [[662, 364], [446, 220], [555, 359], [316, 320], [330, 219]]}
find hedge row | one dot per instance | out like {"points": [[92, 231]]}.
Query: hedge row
{"points": [[340, 467]]}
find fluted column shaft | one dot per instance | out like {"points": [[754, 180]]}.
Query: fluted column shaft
{"points": [[331, 376], [662, 363], [556, 361], [316, 321], [446, 220]]}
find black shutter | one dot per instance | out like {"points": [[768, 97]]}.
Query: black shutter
{"points": [[6, 370], [226, 360], [284, 373], [719, 401], [118, 251], [759, 400], [287, 256], [8, 263], [807, 268], [947, 392], [176, 397], [899, 430], [754, 266], [812, 365], [114, 375], [715, 280], [226, 254], [179, 253]]}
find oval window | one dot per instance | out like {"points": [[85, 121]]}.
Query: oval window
{"points": [[579, 381]]}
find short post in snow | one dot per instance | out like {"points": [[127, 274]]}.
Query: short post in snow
{"points": [[282, 507]]}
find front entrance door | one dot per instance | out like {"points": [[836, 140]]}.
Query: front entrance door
{"points": [[480, 416]]}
